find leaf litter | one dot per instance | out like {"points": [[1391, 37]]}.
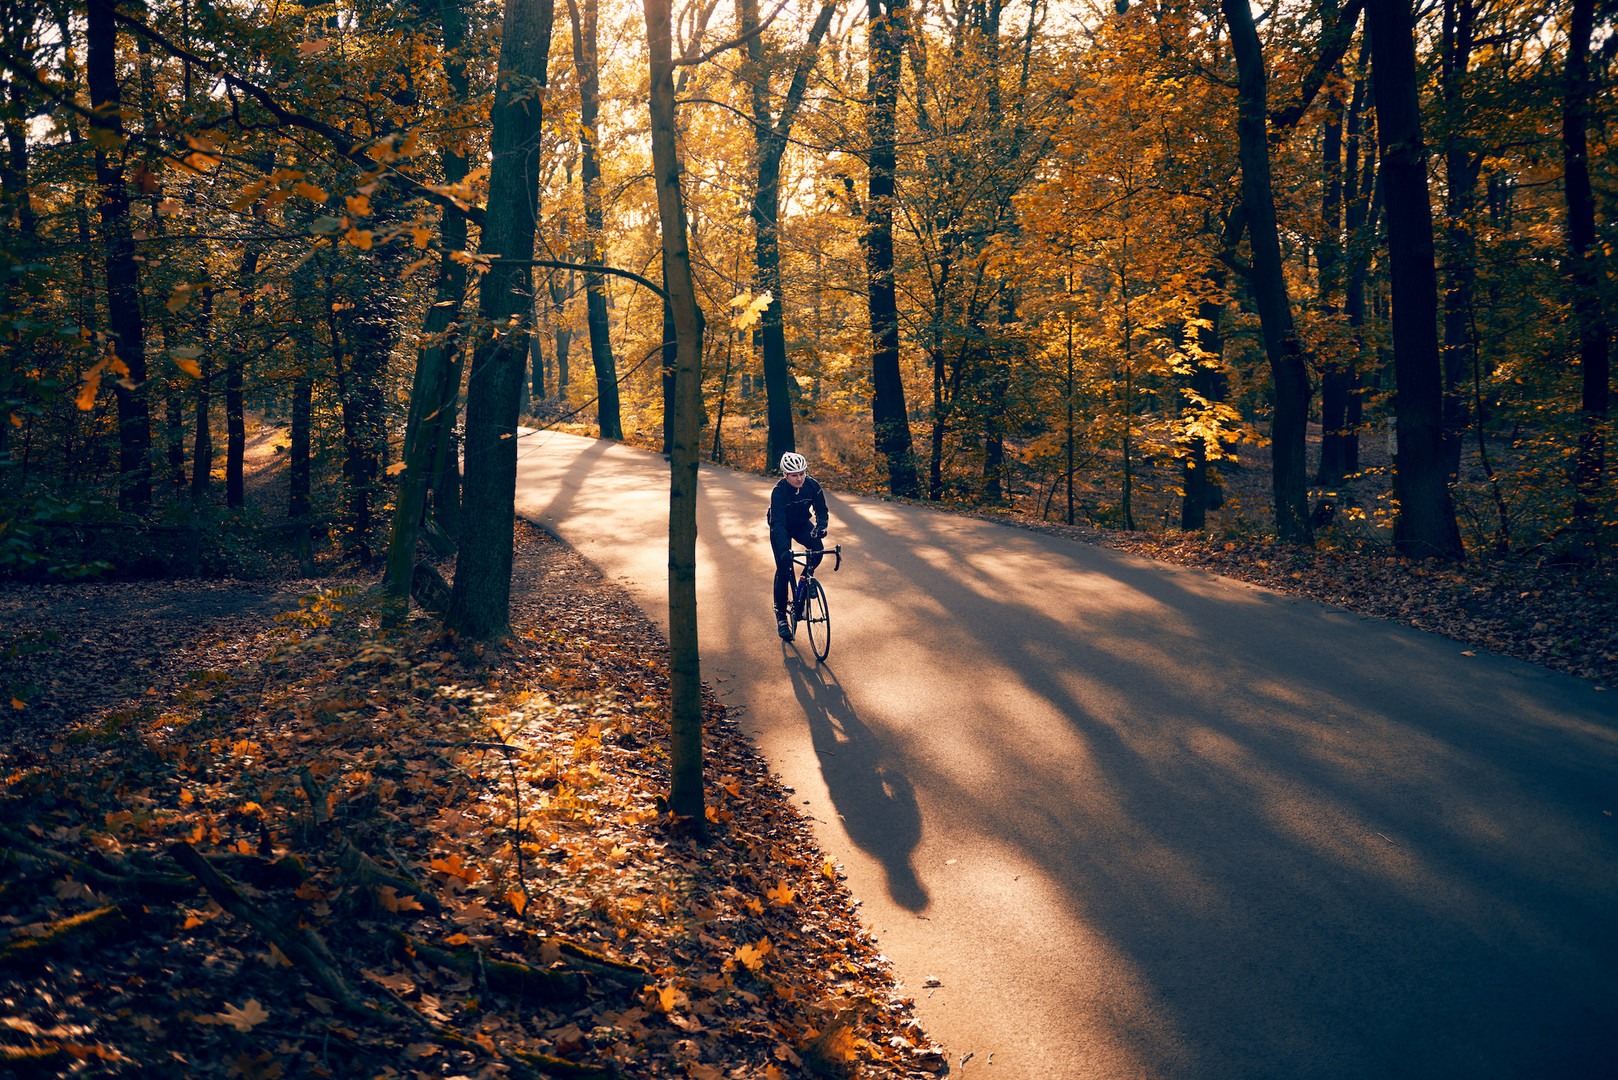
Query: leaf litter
{"points": [[314, 848]]}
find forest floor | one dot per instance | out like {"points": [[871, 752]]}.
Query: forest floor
{"points": [[238, 845], [248, 846]]}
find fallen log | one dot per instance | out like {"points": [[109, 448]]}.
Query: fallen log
{"points": [[305, 948], [95, 925], [504, 976]]}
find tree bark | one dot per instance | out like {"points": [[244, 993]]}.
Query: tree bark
{"points": [[586, 58], [685, 676], [124, 318], [1462, 164], [202, 432], [1288, 371], [481, 604], [888, 415], [1426, 527], [770, 137], [430, 392], [1585, 269], [235, 387]]}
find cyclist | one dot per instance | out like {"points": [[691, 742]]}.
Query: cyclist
{"points": [[797, 512]]}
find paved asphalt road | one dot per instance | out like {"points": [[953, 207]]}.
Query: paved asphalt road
{"points": [[1143, 822]]}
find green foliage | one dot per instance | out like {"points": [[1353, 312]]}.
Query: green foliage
{"points": [[28, 531]]}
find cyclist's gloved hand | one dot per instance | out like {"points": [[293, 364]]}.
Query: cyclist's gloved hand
{"points": [[818, 533]]}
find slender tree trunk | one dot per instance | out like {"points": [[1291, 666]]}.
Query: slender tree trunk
{"points": [[300, 458], [1462, 165], [235, 388], [124, 317], [586, 58], [891, 421], [1362, 207], [431, 395], [480, 604], [202, 433], [1339, 383], [1333, 376], [1426, 526], [770, 137], [1585, 269], [1288, 371], [685, 676]]}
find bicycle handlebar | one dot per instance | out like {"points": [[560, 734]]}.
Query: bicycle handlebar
{"points": [[835, 552]]}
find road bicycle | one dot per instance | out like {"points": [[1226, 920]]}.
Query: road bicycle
{"points": [[808, 604]]}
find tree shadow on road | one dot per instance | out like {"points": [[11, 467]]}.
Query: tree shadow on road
{"points": [[874, 800]]}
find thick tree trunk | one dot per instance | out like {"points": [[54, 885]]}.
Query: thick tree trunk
{"points": [[1288, 371], [888, 415], [586, 58], [1585, 269], [685, 675], [481, 604], [124, 318], [1426, 526]]}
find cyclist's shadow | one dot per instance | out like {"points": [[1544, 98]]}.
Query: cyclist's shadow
{"points": [[875, 802]]}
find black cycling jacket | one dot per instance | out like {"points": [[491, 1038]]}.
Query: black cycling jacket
{"points": [[791, 508]]}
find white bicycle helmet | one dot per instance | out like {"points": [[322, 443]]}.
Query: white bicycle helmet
{"points": [[793, 463]]}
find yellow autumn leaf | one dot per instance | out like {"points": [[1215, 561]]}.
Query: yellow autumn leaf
{"points": [[16, 704], [310, 192], [396, 468], [517, 899], [360, 238], [245, 1018], [390, 899], [752, 957], [358, 205], [781, 895], [249, 195], [86, 399]]}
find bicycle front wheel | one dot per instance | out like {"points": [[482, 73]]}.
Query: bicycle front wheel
{"points": [[818, 617]]}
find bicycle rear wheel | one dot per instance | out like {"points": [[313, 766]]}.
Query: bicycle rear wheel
{"points": [[818, 617]]}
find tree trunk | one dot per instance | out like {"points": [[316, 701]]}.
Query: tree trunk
{"points": [[1585, 269], [1339, 396], [586, 58], [481, 605], [202, 433], [1288, 371], [303, 393], [124, 317], [685, 675], [1426, 526], [770, 142], [430, 389], [1462, 165], [235, 403], [888, 415]]}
